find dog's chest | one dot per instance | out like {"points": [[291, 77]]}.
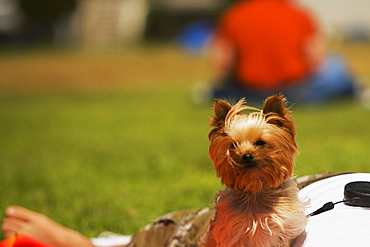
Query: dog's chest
{"points": [[246, 220]]}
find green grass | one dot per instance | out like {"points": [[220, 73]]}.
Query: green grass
{"points": [[105, 161], [114, 154]]}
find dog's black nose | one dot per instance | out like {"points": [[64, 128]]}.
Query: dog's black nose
{"points": [[247, 158]]}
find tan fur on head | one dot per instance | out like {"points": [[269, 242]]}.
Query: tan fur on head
{"points": [[267, 136], [254, 155]]}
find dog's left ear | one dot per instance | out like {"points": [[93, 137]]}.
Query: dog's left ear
{"points": [[277, 114], [275, 104], [275, 110]]}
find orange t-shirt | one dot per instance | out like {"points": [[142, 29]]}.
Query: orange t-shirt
{"points": [[269, 37]]}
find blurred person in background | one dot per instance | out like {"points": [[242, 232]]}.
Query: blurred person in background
{"points": [[263, 47]]}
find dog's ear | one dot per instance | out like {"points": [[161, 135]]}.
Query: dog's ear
{"points": [[221, 109], [275, 104]]}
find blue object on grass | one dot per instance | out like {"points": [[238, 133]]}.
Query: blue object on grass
{"points": [[196, 35]]}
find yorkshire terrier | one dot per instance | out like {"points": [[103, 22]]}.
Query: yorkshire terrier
{"points": [[254, 155]]}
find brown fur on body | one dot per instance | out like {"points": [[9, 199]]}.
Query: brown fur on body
{"points": [[254, 155]]}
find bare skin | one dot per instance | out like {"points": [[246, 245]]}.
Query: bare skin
{"points": [[42, 228]]}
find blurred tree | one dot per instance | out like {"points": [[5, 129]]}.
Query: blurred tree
{"points": [[41, 17], [168, 18], [46, 10]]}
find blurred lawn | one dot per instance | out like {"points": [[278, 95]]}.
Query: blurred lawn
{"points": [[110, 140]]}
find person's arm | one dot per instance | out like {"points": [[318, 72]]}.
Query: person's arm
{"points": [[42, 228], [223, 56], [315, 50]]}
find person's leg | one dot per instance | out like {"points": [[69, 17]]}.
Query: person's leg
{"points": [[333, 80], [228, 87], [42, 228], [232, 89]]}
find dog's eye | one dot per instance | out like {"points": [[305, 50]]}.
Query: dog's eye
{"points": [[260, 143], [233, 145]]}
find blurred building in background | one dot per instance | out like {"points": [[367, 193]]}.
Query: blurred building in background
{"points": [[99, 22], [348, 19], [106, 22], [10, 20]]}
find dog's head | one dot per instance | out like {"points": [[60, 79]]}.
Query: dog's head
{"points": [[255, 150]]}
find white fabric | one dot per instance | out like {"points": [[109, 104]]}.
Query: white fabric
{"points": [[343, 226], [113, 240]]}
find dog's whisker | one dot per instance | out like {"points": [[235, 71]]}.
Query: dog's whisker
{"points": [[265, 226]]}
